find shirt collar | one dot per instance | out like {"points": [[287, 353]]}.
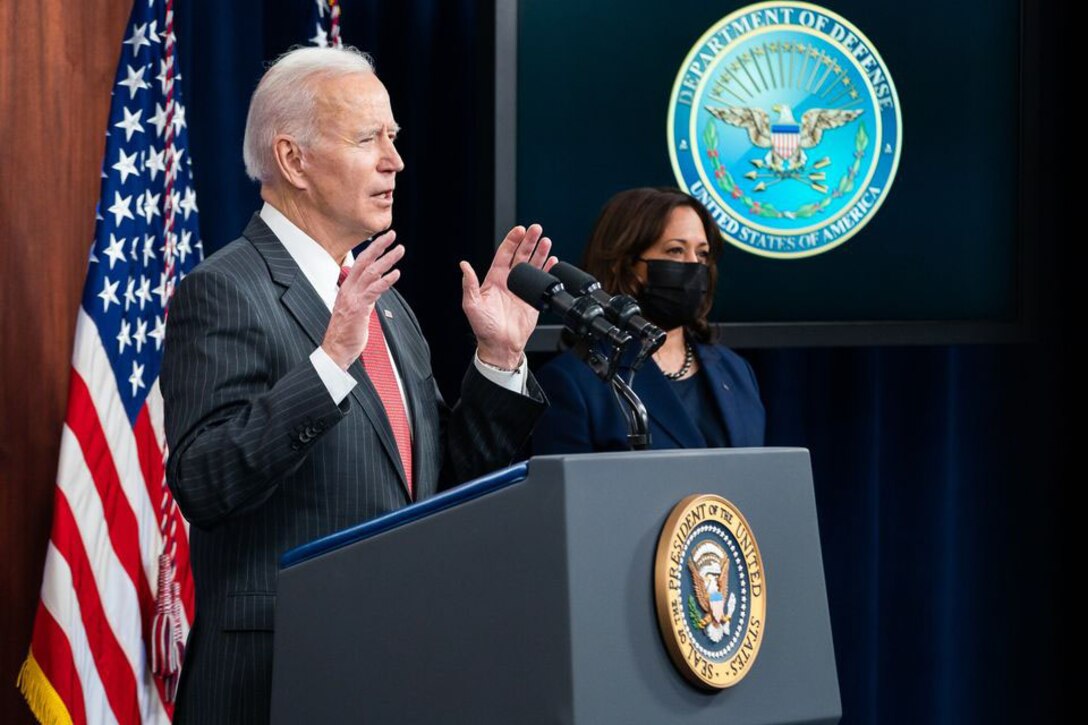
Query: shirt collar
{"points": [[316, 263]]}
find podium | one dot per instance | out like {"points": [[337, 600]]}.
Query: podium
{"points": [[528, 597]]}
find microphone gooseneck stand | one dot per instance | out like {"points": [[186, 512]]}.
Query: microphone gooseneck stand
{"points": [[630, 405]]}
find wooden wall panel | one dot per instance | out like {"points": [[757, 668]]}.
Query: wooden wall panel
{"points": [[57, 61]]}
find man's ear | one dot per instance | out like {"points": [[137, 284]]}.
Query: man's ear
{"points": [[289, 160]]}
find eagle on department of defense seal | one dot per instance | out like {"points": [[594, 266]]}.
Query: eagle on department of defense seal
{"points": [[786, 139], [709, 566]]}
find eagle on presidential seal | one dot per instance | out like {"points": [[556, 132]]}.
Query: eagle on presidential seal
{"points": [[785, 138], [709, 568]]}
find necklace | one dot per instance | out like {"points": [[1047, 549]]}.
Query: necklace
{"points": [[689, 358]]}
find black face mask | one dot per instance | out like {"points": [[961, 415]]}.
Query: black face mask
{"points": [[674, 292]]}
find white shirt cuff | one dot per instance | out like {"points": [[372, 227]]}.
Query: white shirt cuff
{"points": [[338, 382], [512, 380]]}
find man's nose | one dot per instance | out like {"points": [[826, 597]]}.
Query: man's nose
{"points": [[391, 160]]}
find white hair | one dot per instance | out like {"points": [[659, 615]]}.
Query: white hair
{"points": [[285, 99]]}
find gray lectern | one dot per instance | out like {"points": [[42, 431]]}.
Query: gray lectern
{"points": [[528, 597]]}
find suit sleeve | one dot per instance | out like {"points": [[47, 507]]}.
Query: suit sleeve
{"points": [[487, 426], [566, 426], [232, 432]]}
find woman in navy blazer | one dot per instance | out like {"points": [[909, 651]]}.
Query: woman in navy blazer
{"points": [[661, 246]]}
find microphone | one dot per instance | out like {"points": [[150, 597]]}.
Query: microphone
{"points": [[622, 310], [583, 315]]}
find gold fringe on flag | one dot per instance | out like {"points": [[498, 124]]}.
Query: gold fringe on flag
{"points": [[43, 700]]}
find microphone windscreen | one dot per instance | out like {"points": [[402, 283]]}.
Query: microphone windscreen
{"points": [[531, 284], [576, 281]]}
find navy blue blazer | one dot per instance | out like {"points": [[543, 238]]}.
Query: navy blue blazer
{"points": [[584, 416]]}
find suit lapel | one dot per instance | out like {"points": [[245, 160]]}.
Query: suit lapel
{"points": [[311, 314], [722, 386], [665, 407]]}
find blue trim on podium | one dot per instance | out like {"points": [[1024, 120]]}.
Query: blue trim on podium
{"points": [[454, 497]]}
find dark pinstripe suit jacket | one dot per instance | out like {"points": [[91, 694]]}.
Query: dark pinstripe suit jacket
{"points": [[262, 460]]}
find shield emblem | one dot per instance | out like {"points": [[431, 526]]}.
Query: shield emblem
{"points": [[717, 606], [785, 138]]}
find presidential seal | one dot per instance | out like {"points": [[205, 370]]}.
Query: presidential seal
{"points": [[784, 122], [710, 591]]}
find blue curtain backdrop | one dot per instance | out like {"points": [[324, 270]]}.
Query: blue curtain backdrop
{"points": [[937, 468]]}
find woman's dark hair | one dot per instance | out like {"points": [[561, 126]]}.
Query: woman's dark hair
{"points": [[628, 225]]}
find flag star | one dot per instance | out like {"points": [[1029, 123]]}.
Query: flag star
{"points": [[169, 248], [150, 209], [175, 201], [132, 250], [175, 161], [159, 332], [116, 250], [320, 39], [155, 163], [130, 298], [152, 35], [139, 338], [164, 67], [131, 123], [179, 118], [188, 204], [149, 252], [125, 164], [322, 7], [138, 38], [159, 119], [137, 377], [93, 259], [123, 337], [134, 82], [120, 208], [183, 246], [144, 293], [109, 293], [163, 290]]}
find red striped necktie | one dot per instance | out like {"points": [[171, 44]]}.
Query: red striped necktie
{"points": [[379, 368]]}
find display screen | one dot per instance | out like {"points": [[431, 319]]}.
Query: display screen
{"points": [[595, 81]]}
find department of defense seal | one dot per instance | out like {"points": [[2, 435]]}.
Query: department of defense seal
{"points": [[710, 591], [784, 122]]}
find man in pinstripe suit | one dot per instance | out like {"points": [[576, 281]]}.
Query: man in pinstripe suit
{"points": [[278, 433]]}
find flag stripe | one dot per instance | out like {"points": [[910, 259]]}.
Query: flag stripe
{"points": [[151, 463], [117, 512], [114, 666], [53, 654], [91, 363], [119, 517], [64, 608], [114, 587]]}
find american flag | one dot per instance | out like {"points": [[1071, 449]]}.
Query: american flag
{"points": [[117, 572], [326, 22]]}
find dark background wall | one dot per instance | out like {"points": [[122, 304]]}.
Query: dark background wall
{"points": [[944, 509]]}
